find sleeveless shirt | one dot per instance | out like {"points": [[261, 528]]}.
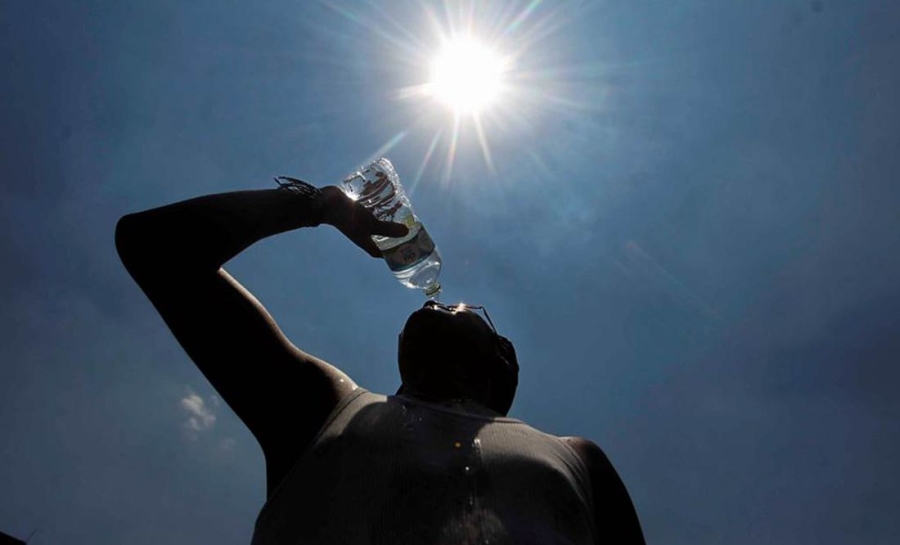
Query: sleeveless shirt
{"points": [[398, 471]]}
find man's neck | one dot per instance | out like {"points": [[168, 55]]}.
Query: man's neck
{"points": [[460, 404]]}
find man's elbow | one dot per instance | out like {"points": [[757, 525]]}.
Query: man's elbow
{"points": [[135, 245], [127, 235]]}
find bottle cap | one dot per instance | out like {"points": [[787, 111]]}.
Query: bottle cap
{"points": [[432, 290]]}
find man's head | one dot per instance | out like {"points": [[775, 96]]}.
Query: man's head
{"points": [[452, 353]]}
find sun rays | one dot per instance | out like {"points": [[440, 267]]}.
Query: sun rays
{"points": [[477, 73]]}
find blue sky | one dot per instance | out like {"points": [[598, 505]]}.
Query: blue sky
{"points": [[688, 227]]}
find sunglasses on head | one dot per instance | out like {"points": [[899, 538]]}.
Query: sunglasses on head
{"points": [[480, 310], [507, 351]]}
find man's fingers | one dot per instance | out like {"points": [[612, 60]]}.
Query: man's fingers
{"points": [[359, 225], [366, 243], [389, 229], [385, 229], [361, 237]]}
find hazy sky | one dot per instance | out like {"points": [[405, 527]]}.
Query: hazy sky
{"points": [[687, 220]]}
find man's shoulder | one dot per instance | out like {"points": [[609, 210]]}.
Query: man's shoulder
{"points": [[589, 452], [580, 443]]}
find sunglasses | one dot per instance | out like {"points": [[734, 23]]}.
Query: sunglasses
{"points": [[479, 310]]}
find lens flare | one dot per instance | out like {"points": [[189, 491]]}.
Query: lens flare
{"points": [[496, 71], [466, 75]]}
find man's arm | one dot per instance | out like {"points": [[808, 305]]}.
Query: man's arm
{"points": [[175, 254], [614, 513]]}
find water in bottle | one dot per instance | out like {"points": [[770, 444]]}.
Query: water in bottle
{"points": [[414, 259]]}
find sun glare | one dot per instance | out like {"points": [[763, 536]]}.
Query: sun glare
{"points": [[469, 75], [466, 76]]}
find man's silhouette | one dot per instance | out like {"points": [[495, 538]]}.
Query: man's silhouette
{"points": [[438, 463]]}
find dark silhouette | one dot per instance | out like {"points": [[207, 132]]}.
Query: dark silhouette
{"points": [[438, 463], [6, 539]]}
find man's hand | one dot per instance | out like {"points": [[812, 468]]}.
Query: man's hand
{"points": [[355, 221]]}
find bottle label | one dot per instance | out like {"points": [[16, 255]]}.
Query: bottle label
{"points": [[410, 253]]}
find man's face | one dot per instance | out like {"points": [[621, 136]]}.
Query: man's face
{"points": [[452, 350]]}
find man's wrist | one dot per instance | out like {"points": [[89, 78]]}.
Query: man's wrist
{"points": [[315, 198], [326, 202]]}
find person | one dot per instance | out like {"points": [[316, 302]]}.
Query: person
{"points": [[438, 463]]}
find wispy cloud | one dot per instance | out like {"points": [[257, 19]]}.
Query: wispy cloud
{"points": [[199, 415]]}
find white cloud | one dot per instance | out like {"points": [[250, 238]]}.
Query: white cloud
{"points": [[200, 417]]}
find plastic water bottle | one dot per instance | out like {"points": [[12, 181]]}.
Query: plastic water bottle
{"points": [[414, 259]]}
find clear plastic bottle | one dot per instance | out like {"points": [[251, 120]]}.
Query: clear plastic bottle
{"points": [[414, 259]]}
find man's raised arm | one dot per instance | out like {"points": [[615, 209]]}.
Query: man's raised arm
{"points": [[175, 254]]}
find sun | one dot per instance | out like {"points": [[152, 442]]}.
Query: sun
{"points": [[466, 76]]}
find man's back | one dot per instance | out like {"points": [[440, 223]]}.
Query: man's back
{"points": [[400, 471]]}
